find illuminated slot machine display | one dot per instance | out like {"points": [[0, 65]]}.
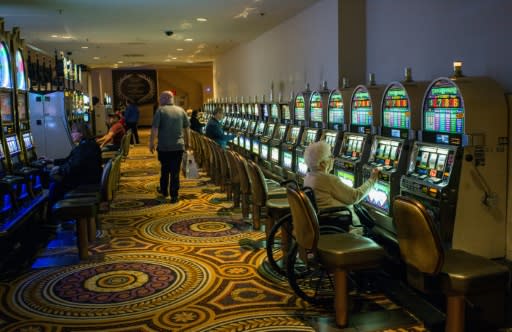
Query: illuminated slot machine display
{"points": [[458, 169], [278, 139], [260, 127], [389, 152], [268, 136], [355, 146], [293, 137], [251, 128], [335, 121]]}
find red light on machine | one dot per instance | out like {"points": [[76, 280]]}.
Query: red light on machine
{"points": [[433, 173]]}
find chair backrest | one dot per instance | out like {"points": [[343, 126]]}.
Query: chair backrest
{"points": [[127, 138], [420, 244], [107, 168], [259, 189], [245, 182], [235, 178], [304, 219]]}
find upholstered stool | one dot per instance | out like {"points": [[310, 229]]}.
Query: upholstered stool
{"points": [[84, 211]]}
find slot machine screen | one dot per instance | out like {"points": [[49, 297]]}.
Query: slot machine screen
{"points": [[20, 72], [266, 113], [302, 168], [6, 107], [287, 160], [244, 109], [2, 154], [330, 138], [386, 152], [274, 111], [362, 113], [270, 130], [345, 177], [316, 107], [443, 110], [257, 110], [245, 123], [13, 145], [256, 147], [300, 108], [353, 146], [274, 154], [432, 163], [5, 74], [22, 107], [247, 143], [336, 110], [281, 132], [396, 112], [286, 113], [294, 134], [378, 196], [261, 127], [27, 139], [264, 151], [310, 136], [86, 117]]}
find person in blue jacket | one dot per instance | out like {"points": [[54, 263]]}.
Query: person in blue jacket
{"points": [[214, 129], [131, 116]]}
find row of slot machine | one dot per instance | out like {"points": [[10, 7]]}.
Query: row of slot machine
{"points": [[21, 187], [443, 143]]}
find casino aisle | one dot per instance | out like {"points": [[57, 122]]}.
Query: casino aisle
{"points": [[191, 266]]}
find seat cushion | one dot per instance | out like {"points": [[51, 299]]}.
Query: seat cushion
{"points": [[465, 273], [280, 204], [277, 193], [75, 208], [348, 251]]}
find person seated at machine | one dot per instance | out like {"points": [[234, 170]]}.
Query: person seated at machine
{"points": [[214, 129], [328, 189], [111, 141], [83, 165]]}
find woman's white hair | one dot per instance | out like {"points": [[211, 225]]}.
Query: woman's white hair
{"points": [[316, 153]]}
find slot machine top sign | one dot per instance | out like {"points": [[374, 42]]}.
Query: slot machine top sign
{"points": [[396, 112], [300, 108], [361, 107], [5, 74], [443, 111], [316, 107], [274, 111], [336, 109], [21, 82]]}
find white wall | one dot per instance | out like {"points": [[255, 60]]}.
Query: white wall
{"points": [[302, 49], [428, 35]]}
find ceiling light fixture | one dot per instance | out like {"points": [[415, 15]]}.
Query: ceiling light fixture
{"points": [[120, 61], [201, 19], [174, 58], [96, 58], [54, 36], [66, 37], [85, 47], [167, 60], [179, 49], [188, 39]]}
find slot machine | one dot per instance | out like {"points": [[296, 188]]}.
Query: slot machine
{"points": [[294, 136], [251, 128], [260, 127], [458, 168], [279, 136], [335, 120], [355, 146], [268, 135], [400, 118]]}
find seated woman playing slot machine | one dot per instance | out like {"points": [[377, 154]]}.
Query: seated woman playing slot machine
{"points": [[82, 166], [328, 188], [112, 140]]}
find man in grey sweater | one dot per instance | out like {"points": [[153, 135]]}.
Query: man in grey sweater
{"points": [[171, 126]]}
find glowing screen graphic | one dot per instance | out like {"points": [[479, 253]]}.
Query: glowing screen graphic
{"points": [[353, 146], [330, 138], [27, 139], [302, 168], [345, 177], [316, 107], [336, 111], [362, 108], [379, 196], [256, 147], [6, 107], [287, 160], [21, 81], [310, 136], [264, 152], [13, 145], [286, 112], [300, 108], [274, 154], [396, 112], [274, 111], [443, 109], [5, 72], [282, 131]]}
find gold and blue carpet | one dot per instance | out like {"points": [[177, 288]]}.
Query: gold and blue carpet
{"points": [[163, 267]]}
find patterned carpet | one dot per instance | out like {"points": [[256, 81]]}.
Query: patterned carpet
{"points": [[158, 266]]}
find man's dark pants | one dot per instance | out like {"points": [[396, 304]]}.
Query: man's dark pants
{"points": [[170, 162], [135, 133]]}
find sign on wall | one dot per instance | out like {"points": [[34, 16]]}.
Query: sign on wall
{"points": [[136, 85]]}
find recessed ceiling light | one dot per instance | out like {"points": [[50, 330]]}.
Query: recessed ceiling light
{"points": [[188, 39], [201, 19], [190, 61], [85, 47], [96, 58], [174, 58], [119, 61], [66, 37], [54, 36], [179, 49], [167, 60]]}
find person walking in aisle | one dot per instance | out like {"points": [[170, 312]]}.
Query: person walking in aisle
{"points": [[171, 127], [131, 116]]}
